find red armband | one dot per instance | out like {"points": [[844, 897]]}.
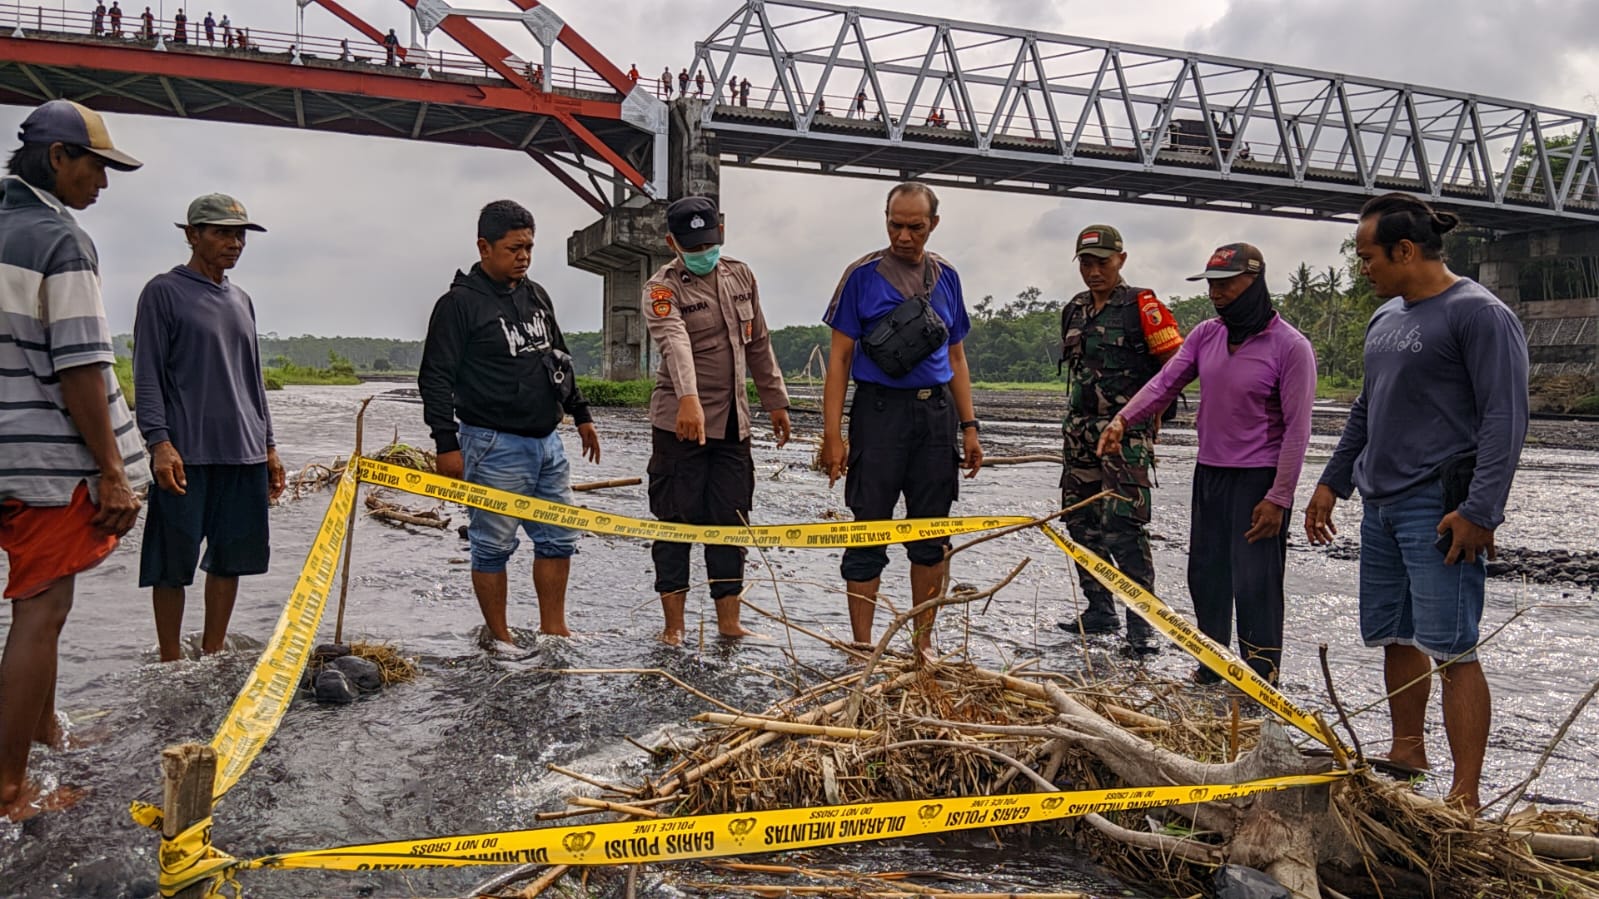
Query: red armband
{"points": [[1160, 326]]}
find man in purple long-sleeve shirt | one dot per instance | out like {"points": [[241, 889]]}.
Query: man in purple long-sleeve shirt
{"points": [[1259, 377], [202, 409], [1432, 443]]}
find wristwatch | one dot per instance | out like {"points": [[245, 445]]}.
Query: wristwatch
{"points": [[971, 424]]}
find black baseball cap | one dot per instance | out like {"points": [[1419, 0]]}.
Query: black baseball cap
{"points": [[63, 121], [694, 222], [1232, 259]]}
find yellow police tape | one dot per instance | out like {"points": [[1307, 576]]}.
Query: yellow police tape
{"points": [[261, 703], [1208, 652], [744, 833], [811, 534], [269, 689]]}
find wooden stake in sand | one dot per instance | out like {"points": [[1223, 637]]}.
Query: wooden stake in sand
{"points": [[349, 526]]}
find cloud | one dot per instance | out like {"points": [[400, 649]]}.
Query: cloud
{"points": [[1527, 51], [366, 232]]}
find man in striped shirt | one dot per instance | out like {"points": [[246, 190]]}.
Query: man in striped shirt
{"points": [[73, 460]]}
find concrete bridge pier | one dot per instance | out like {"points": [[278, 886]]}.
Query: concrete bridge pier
{"points": [[1551, 280], [629, 243]]}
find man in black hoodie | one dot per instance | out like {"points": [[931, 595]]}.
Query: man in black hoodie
{"points": [[495, 359]]}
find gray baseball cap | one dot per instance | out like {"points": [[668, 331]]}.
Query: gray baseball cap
{"points": [[219, 209]]}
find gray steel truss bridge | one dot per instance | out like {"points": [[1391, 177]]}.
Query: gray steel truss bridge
{"points": [[849, 91]]}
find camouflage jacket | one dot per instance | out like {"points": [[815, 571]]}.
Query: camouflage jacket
{"points": [[1106, 362]]}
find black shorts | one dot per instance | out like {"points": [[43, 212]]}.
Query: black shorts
{"points": [[695, 484], [224, 505], [901, 443]]}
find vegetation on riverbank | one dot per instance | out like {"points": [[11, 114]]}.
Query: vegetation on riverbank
{"points": [[284, 372], [123, 368]]}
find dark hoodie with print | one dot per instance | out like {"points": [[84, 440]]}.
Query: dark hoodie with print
{"points": [[495, 358]]}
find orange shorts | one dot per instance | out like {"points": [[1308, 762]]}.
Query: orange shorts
{"points": [[48, 543]]}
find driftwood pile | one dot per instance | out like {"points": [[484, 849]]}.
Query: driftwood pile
{"points": [[901, 728]]}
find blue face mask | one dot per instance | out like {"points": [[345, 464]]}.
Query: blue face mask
{"points": [[702, 262]]}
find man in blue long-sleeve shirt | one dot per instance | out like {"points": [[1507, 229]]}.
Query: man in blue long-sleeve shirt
{"points": [[202, 409], [1432, 443]]}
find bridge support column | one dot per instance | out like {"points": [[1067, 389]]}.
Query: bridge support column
{"points": [[629, 244], [1551, 280]]}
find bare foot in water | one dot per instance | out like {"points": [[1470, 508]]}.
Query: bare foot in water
{"points": [[1467, 802], [739, 632], [671, 637], [1409, 753], [30, 802]]}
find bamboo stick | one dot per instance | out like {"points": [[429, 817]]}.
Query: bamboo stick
{"points": [[349, 525], [602, 485], [619, 807], [784, 727]]}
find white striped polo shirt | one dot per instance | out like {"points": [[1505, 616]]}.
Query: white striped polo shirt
{"points": [[51, 319]]}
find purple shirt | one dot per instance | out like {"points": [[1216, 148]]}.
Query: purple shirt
{"points": [[1254, 409]]}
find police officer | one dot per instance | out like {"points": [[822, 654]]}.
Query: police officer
{"points": [[704, 312], [1114, 338], [911, 431]]}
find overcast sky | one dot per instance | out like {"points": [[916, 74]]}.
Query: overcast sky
{"points": [[365, 233]]}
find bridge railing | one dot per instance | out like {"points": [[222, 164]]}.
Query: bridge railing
{"points": [[242, 40], [1143, 112]]}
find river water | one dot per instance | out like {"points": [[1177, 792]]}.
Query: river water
{"points": [[464, 748]]}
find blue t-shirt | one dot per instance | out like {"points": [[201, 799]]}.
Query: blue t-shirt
{"points": [[870, 289]]}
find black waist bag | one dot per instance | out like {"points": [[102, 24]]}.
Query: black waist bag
{"points": [[909, 334], [562, 377]]}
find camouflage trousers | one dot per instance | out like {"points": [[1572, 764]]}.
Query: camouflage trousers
{"points": [[1111, 528]]}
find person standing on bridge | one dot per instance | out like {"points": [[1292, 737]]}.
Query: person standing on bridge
{"points": [[666, 83], [391, 46], [227, 31], [494, 360], [148, 20], [97, 21], [744, 92], [860, 103], [682, 82], [1259, 377], [632, 73], [116, 19], [73, 461], [1114, 338], [699, 85], [180, 28], [704, 312], [203, 412], [1432, 443], [912, 421], [210, 29]]}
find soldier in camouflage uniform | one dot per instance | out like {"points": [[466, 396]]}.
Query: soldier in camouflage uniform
{"points": [[1114, 338]]}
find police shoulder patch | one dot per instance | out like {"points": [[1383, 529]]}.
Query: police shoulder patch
{"points": [[661, 300]]}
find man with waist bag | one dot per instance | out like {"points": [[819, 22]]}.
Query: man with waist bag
{"points": [[1114, 338], [898, 321], [495, 359], [1432, 443], [704, 312]]}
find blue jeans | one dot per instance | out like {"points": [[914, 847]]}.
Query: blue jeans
{"points": [[1407, 594], [529, 466]]}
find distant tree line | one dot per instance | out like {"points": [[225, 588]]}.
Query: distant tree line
{"points": [[1015, 341]]}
